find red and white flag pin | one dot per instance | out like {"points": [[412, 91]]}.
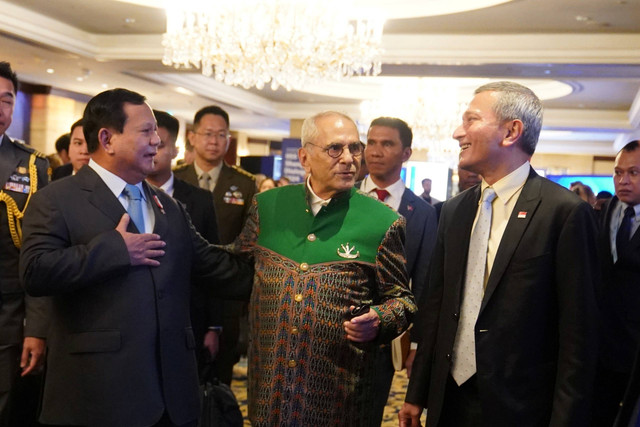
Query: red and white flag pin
{"points": [[522, 214], [155, 198]]}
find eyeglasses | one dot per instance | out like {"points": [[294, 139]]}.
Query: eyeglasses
{"points": [[336, 150], [213, 135]]}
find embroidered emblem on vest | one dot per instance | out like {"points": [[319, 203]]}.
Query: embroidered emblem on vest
{"points": [[347, 251]]}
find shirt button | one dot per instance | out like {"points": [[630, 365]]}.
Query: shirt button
{"points": [[311, 237], [304, 266], [294, 330], [292, 363], [298, 297]]}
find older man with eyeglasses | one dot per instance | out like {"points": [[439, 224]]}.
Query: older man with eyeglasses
{"points": [[330, 287]]}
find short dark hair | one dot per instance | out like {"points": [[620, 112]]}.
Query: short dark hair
{"points": [[167, 121], [106, 110], [7, 73], [630, 146], [211, 109], [62, 143], [75, 125], [406, 136]]}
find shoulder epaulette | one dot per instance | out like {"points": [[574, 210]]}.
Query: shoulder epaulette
{"points": [[181, 167], [243, 172], [29, 149]]}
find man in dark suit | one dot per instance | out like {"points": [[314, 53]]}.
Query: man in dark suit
{"points": [[206, 310], [511, 341], [23, 319], [388, 147], [620, 296], [233, 190], [118, 258]]}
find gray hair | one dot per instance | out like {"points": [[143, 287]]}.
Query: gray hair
{"points": [[310, 129], [516, 101]]}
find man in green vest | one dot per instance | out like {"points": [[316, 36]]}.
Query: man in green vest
{"points": [[330, 287]]}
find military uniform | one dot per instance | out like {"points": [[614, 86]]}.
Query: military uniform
{"points": [[232, 197], [308, 271], [22, 172]]}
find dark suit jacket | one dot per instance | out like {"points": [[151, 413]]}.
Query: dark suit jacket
{"points": [[619, 299], [62, 171], [121, 345], [15, 306], [420, 239], [205, 309], [231, 209], [631, 396], [536, 331]]}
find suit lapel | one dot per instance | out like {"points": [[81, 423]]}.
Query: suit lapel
{"points": [[528, 203], [8, 160], [406, 206], [100, 196], [160, 216]]}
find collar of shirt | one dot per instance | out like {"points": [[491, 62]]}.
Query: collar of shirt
{"points": [[113, 181], [167, 187], [509, 185], [116, 185], [616, 220], [1, 138], [396, 190], [315, 202], [213, 173]]}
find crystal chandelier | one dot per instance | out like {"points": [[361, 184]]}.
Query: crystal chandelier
{"points": [[432, 110], [286, 43]]}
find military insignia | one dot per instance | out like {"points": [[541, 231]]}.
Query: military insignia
{"points": [[347, 251], [19, 181], [233, 196]]}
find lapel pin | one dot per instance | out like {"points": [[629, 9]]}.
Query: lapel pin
{"points": [[155, 199], [522, 214], [409, 208]]}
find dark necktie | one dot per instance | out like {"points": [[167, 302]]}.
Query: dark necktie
{"points": [[382, 194], [624, 232]]}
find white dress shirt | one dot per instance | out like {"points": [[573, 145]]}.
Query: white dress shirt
{"points": [[507, 190], [616, 220], [396, 190], [116, 185]]}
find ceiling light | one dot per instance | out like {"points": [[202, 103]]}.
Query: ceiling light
{"points": [[287, 43], [50, 70]]}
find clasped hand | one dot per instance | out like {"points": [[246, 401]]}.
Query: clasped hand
{"points": [[363, 328], [143, 248]]}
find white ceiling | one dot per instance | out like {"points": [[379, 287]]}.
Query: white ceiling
{"points": [[593, 46]]}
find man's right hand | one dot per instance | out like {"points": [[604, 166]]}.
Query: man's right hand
{"points": [[142, 248], [409, 415]]}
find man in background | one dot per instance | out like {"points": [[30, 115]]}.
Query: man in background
{"points": [[510, 340], [206, 310], [426, 194], [233, 189], [23, 320], [78, 153], [466, 180], [388, 147], [620, 295]]}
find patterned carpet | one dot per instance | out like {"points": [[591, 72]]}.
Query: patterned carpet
{"points": [[390, 418]]}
